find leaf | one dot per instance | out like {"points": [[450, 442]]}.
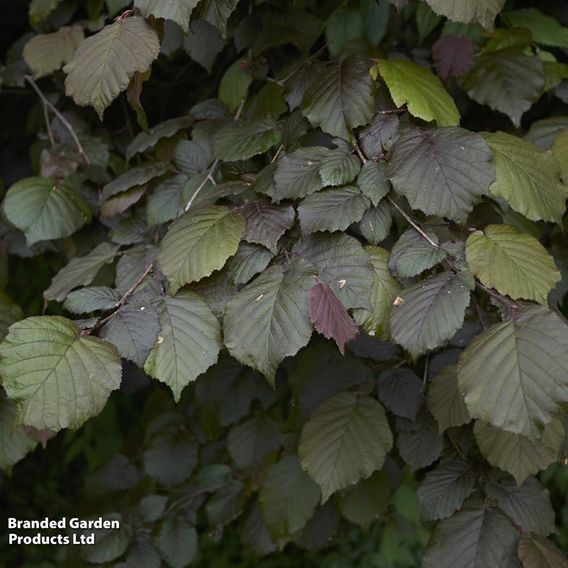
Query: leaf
{"points": [[133, 330], [104, 64], [512, 262], [217, 12], [198, 243], [39, 10], [110, 544], [560, 152], [411, 254], [418, 88], [340, 261], [288, 497], [544, 29], [15, 444], [430, 312], [93, 299], [345, 440], [81, 271], [178, 11], [249, 442], [475, 537], [339, 167], [418, 442], [400, 390], [9, 313], [466, 11], [266, 223], [249, 260], [167, 200], [515, 374], [137, 176], [444, 490], [367, 501], [132, 264], [332, 209], [517, 454], [329, 316], [445, 400], [375, 225], [538, 552], [528, 505], [453, 164], [384, 290], [203, 43], [243, 140], [268, 319], [297, 173], [46, 53], [234, 84], [527, 178], [188, 343], [57, 377], [507, 81], [453, 56], [45, 209], [373, 182], [177, 541], [378, 137], [341, 97], [343, 27]]}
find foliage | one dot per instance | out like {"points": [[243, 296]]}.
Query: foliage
{"points": [[339, 250]]}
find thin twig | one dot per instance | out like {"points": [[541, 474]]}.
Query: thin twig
{"points": [[58, 114], [48, 125], [415, 225]]}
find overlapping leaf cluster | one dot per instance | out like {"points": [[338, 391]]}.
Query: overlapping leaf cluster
{"points": [[333, 275]]}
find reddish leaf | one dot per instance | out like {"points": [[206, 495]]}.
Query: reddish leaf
{"points": [[453, 56], [329, 316]]}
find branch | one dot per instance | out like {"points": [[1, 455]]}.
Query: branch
{"points": [[47, 105]]}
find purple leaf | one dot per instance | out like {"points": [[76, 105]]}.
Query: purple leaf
{"points": [[329, 316], [453, 56]]}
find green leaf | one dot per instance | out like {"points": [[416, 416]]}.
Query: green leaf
{"points": [[178, 11], [137, 176], [217, 13], [188, 343], [177, 541], [133, 330], [454, 166], [544, 29], [373, 182], [367, 501], [268, 319], [104, 64], [9, 313], [411, 254], [93, 299], [430, 312], [418, 88], [341, 97], [203, 43], [513, 263], [507, 81], [475, 537], [234, 84], [266, 223], [344, 26], [400, 390], [375, 225], [81, 271], [384, 290], [14, 442], [339, 167], [528, 505], [288, 497], [39, 10], [516, 454], [297, 173], [340, 261], [198, 243], [332, 210], [527, 178], [46, 53], [418, 442], [538, 552], [167, 200], [515, 374], [444, 490], [45, 209], [249, 442], [249, 260], [560, 152], [345, 440], [110, 544], [243, 140], [445, 400], [57, 377], [466, 11]]}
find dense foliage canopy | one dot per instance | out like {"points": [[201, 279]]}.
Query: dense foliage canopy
{"points": [[292, 270]]}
